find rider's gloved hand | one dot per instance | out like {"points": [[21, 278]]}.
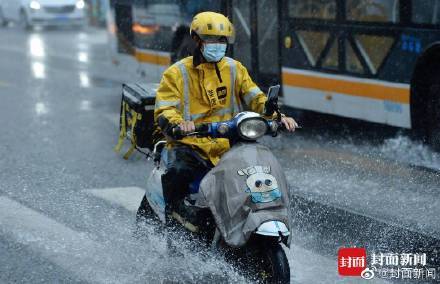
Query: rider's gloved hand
{"points": [[289, 123], [187, 127]]}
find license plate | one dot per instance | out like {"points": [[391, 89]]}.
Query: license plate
{"points": [[62, 18]]}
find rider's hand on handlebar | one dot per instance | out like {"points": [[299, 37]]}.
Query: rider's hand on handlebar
{"points": [[289, 123], [187, 127]]}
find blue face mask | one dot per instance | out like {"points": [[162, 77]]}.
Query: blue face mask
{"points": [[214, 52]]}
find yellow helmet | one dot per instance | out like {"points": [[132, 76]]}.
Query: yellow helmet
{"points": [[212, 25]]}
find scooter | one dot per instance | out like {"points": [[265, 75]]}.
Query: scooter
{"points": [[241, 206]]}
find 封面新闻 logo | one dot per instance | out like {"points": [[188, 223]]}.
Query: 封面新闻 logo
{"points": [[389, 265], [352, 261]]}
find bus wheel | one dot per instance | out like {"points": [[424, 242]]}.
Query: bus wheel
{"points": [[434, 115]]}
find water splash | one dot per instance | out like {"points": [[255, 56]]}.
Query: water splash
{"points": [[403, 149]]}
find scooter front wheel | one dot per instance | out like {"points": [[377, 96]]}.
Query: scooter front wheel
{"points": [[274, 267]]}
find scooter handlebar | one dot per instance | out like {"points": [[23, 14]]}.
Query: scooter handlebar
{"points": [[200, 129], [205, 130]]}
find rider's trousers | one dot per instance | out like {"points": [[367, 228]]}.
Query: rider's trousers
{"points": [[184, 165]]}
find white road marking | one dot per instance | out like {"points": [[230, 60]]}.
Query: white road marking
{"points": [[74, 251], [127, 197]]}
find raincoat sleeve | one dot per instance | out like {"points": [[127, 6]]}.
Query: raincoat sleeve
{"points": [[249, 92], [168, 98]]}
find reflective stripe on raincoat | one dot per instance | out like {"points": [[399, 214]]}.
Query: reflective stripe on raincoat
{"points": [[201, 95]]}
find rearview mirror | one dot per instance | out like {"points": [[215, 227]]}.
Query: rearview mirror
{"points": [[272, 101], [272, 94]]}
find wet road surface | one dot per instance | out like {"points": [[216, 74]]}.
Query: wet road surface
{"points": [[67, 201]]}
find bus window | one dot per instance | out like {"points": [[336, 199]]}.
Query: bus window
{"points": [[153, 23], [331, 60], [426, 12], [267, 37], [313, 44], [352, 63], [156, 21], [373, 10], [374, 49], [192, 7], [241, 17], [312, 9], [123, 22]]}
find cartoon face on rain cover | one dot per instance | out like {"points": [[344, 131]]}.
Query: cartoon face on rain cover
{"points": [[262, 186]]}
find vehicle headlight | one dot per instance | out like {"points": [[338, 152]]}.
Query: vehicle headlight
{"points": [[80, 4], [35, 5], [252, 128]]}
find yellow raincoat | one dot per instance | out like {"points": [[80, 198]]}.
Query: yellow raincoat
{"points": [[199, 94]]}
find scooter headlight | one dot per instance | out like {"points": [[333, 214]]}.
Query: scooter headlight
{"points": [[252, 128]]}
